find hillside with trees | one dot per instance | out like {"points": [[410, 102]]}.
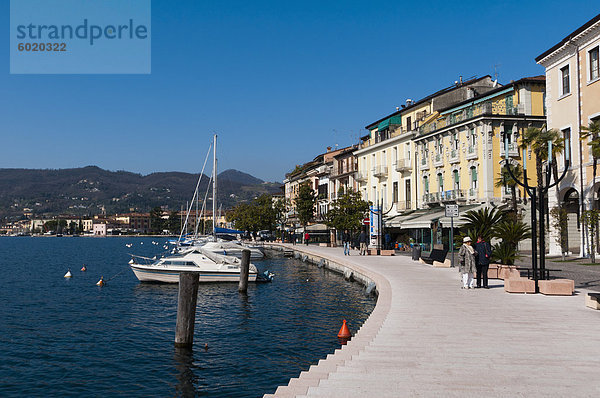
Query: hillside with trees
{"points": [[91, 190]]}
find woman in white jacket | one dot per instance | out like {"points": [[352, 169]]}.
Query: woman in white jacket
{"points": [[467, 263]]}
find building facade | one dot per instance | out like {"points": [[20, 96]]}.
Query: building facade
{"points": [[387, 169], [572, 101]]}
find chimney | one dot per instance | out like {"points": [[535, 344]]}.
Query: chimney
{"points": [[328, 149], [460, 79], [409, 102], [470, 93]]}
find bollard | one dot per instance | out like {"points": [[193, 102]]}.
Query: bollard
{"points": [[244, 271], [186, 308]]}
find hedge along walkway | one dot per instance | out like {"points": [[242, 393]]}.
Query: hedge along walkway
{"points": [[428, 338]]}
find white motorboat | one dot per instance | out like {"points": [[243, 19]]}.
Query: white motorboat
{"points": [[211, 267], [230, 248]]}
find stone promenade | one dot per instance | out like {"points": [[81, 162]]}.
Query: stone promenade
{"points": [[428, 338]]}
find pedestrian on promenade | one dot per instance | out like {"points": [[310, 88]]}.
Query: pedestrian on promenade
{"points": [[362, 241], [388, 241], [293, 238], [346, 242], [306, 238], [467, 263], [484, 252]]}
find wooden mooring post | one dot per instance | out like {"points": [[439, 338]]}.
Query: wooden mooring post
{"points": [[186, 308], [244, 271]]}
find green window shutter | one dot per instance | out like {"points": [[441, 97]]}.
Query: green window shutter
{"points": [[474, 174]]}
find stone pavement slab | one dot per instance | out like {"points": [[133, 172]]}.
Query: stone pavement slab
{"points": [[427, 337]]}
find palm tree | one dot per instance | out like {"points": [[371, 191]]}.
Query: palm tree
{"points": [[482, 222], [592, 131], [537, 139], [505, 180]]}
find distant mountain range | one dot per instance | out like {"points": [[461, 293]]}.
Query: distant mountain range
{"points": [[87, 190]]}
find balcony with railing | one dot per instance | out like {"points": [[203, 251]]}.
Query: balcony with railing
{"points": [[361, 176], [472, 193], [471, 152], [454, 158], [380, 171], [484, 108], [438, 160], [513, 149], [402, 165], [403, 205]]}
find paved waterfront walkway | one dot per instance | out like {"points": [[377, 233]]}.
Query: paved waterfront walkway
{"points": [[429, 338]]}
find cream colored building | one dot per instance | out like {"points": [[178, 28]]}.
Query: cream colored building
{"points": [[386, 157], [572, 101]]}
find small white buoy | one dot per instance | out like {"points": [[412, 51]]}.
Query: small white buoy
{"points": [[68, 274], [141, 243], [131, 261], [100, 282]]}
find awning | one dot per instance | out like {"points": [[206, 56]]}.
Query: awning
{"points": [[459, 221], [423, 220], [396, 221]]}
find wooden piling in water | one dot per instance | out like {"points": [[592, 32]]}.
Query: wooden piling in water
{"points": [[244, 271], [186, 308]]}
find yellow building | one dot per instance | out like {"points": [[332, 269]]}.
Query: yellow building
{"points": [[573, 100], [460, 149], [387, 170]]}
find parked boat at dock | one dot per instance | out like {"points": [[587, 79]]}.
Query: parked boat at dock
{"points": [[211, 267]]}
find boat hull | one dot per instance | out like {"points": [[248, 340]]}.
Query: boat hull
{"points": [[161, 275]]}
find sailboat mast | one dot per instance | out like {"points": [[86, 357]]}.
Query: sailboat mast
{"points": [[214, 204]]}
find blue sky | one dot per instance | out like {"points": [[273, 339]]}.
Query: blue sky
{"points": [[278, 81]]}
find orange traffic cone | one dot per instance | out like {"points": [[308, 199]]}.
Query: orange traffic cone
{"points": [[344, 333]]}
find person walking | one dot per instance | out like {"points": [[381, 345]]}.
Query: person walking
{"points": [[293, 238], [467, 263], [362, 241], [306, 238], [346, 242], [484, 252]]}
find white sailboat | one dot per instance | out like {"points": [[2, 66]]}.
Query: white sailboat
{"points": [[212, 267]]}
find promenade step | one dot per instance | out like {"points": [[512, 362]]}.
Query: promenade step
{"points": [[428, 338]]}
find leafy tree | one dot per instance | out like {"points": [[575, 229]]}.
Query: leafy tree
{"points": [[590, 218], [254, 216], [174, 222], [51, 225], [560, 223], [281, 207], [347, 211], [305, 203], [157, 223]]}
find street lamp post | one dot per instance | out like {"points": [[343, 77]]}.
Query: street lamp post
{"points": [[538, 193]]}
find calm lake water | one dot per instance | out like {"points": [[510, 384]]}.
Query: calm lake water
{"points": [[68, 337]]}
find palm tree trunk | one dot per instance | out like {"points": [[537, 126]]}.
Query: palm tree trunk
{"points": [[513, 194]]}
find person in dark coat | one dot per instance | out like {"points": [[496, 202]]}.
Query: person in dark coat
{"points": [[362, 240], [346, 242], [484, 252]]}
